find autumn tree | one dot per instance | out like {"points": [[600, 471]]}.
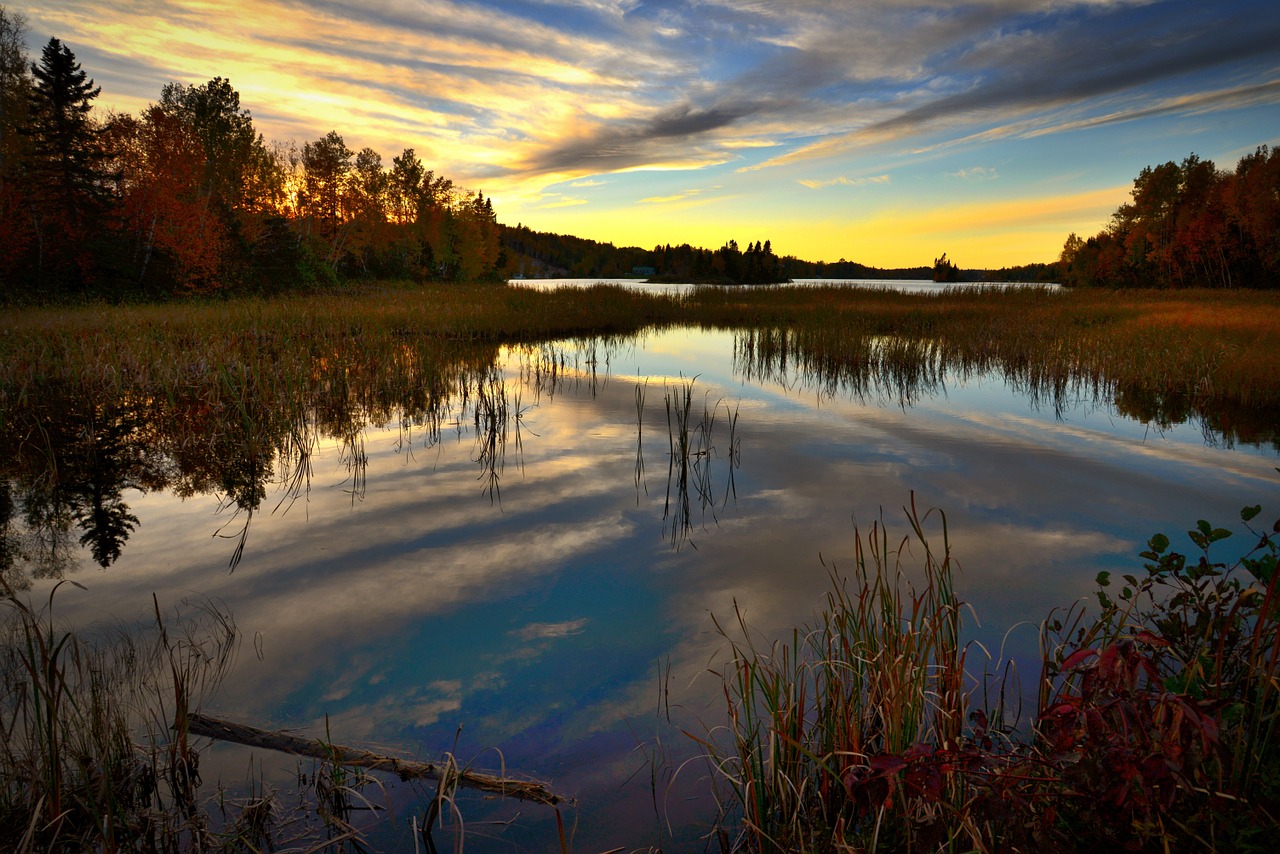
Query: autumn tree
{"points": [[242, 180], [366, 204], [174, 234], [472, 239], [1251, 198], [1188, 225]]}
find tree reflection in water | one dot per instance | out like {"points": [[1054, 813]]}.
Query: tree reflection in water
{"points": [[71, 462]]}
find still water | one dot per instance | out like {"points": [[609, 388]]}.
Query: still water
{"points": [[911, 286], [537, 590]]}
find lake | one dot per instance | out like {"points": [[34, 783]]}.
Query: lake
{"points": [[523, 573], [911, 286]]}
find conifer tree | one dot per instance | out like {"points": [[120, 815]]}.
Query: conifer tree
{"points": [[69, 184], [68, 153]]}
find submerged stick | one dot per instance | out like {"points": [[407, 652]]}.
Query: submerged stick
{"points": [[407, 769]]}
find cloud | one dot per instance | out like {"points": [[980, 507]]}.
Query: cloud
{"points": [[566, 202], [564, 89], [999, 70], [550, 631], [844, 182], [977, 173], [1236, 98], [656, 139], [588, 183], [676, 197]]}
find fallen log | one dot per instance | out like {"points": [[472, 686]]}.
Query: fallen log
{"points": [[406, 769]]}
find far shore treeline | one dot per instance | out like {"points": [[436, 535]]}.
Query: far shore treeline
{"points": [[188, 198]]}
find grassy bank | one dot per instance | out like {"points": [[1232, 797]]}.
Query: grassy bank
{"points": [[1205, 347]]}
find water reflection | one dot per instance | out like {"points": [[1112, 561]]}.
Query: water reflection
{"points": [[476, 540], [691, 455]]}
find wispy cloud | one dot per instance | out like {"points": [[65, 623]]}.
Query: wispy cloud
{"points": [[675, 197], [588, 183], [842, 181], [565, 202], [976, 173], [550, 631]]}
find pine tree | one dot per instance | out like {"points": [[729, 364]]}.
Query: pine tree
{"points": [[68, 180], [68, 153]]}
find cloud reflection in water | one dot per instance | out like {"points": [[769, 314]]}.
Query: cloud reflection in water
{"points": [[539, 621]]}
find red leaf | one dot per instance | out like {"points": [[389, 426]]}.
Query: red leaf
{"points": [[887, 764], [1073, 661], [1151, 639]]}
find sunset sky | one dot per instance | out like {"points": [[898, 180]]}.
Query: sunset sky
{"points": [[881, 131]]}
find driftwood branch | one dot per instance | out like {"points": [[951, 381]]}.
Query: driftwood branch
{"points": [[406, 769]]}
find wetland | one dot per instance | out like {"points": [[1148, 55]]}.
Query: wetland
{"points": [[503, 524]]}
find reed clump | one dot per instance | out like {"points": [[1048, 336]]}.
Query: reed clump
{"points": [[72, 776], [818, 728], [1156, 724]]}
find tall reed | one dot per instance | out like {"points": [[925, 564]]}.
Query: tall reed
{"points": [[878, 674], [71, 777]]}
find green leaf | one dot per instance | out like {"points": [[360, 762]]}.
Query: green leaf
{"points": [[1248, 513], [1159, 543], [1103, 579], [1205, 527]]}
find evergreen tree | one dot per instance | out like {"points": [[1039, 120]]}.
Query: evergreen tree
{"points": [[68, 152], [16, 232], [67, 159]]}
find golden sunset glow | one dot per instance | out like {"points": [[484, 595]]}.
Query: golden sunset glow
{"points": [[882, 132]]}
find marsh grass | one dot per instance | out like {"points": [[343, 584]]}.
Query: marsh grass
{"points": [[1165, 354], [1155, 730], [691, 452], [815, 725], [238, 393], [71, 776]]}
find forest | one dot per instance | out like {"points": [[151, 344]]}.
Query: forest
{"points": [[1190, 225], [189, 198]]}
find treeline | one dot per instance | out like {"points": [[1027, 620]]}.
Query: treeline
{"points": [[187, 197], [542, 254], [1190, 225]]}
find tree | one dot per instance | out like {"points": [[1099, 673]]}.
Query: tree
{"points": [[325, 164], [1252, 202], [944, 270], [16, 226], [239, 171], [68, 152], [67, 157], [15, 90], [161, 208]]}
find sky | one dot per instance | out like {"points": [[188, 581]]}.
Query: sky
{"points": [[880, 131]]}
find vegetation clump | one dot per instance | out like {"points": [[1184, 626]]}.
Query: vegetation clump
{"points": [[1155, 727]]}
